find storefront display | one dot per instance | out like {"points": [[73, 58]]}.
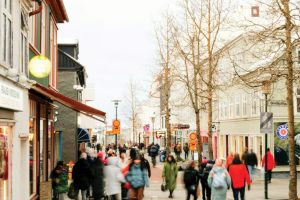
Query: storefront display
{"points": [[4, 163]]}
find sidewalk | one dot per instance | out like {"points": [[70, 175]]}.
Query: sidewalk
{"points": [[278, 189]]}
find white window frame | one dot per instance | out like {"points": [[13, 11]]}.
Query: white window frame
{"points": [[226, 113], [231, 107], [245, 105], [237, 106], [6, 33], [24, 48], [254, 105]]}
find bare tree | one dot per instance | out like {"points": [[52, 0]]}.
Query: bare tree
{"points": [[165, 49], [278, 32]]}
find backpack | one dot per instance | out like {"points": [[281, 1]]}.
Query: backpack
{"points": [[153, 151], [219, 181]]}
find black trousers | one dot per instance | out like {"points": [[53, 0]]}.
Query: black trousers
{"points": [[237, 191], [269, 175], [186, 155], [193, 193], [206, 191]]}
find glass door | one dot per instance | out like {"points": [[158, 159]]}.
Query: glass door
{"points": [[4, 162]]}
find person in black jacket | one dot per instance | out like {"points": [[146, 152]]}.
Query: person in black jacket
{"points": [[97, 180], [191, 180], [250, 162], [81, 176], [204, 170], [145, 164]]}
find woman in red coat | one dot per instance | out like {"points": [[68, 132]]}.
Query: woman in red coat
{"points": [[239, 174], [270, 164]]}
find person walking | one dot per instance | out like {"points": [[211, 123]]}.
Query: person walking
{"points": [[251, 162], [97, 180], [59, 176], [145, 164], [113, 178], [81, 176], [186, 151], [270, 164], [229, 160], [245, 155], [153, 152], [239, 174], [138, 179], [169, 174], [191, 181], [204, 170], [219, 181]]}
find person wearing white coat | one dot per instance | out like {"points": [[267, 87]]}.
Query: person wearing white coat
{"points": [[113, 178]]}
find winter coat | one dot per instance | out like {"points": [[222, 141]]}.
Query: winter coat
{"points": [[170, 174], [239, 174], [97, 181], [137, 176], [81, 174], [218, 194], [251, 159], [271, 161], [113, 176], [186, 148], [191, 177], [59, 181]]}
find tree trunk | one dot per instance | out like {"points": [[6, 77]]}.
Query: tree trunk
{"points": [[209, 124], [290, 102], [199, 141]]}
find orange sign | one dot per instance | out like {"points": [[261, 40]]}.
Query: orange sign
{"points": [[193, 141], [116, 127]]}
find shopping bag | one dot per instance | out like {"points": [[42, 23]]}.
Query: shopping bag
{"points": [[71, 191]]}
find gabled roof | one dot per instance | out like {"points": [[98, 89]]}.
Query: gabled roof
{"points": [[59, 10], [67, 62]]}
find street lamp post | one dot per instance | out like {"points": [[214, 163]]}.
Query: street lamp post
{"points": [[266, 90], [153, 121], [116, 103]]}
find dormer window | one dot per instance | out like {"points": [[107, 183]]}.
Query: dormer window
{"points": [[255, 11]]}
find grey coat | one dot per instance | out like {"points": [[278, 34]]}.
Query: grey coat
{"points": [[218, 194]]}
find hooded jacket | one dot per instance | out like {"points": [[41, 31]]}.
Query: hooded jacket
{"points": [[113, 176]]}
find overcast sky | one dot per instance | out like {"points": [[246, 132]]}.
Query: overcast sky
{"points": [[116, 44]]}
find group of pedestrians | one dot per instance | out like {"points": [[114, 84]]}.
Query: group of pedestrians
{"points": [[103, 175]]}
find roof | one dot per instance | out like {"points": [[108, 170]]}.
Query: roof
{"points": [[59, 10], [67, 41], [69, 102]]}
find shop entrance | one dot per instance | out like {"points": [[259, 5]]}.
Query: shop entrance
{"points": [[4, 162]]}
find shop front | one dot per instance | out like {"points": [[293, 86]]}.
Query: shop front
{"points": [[13, 139]]}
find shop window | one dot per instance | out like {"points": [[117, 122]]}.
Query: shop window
{"points": [[32, 156], [4, 163]]}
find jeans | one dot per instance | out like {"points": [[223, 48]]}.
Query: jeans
{"points": [[186, 155], [83, 194], [237, 191], [269, 175], [250, 170], [153, 159]]}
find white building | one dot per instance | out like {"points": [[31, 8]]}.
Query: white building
{"points": [[14, 105]]}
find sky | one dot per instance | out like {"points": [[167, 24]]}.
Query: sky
{"points": [[116, 44]]}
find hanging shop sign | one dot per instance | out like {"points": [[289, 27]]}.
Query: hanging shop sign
{"points": [[11, 97], [282, 132]]}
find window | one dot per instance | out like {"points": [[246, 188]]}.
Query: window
{"points": [[237, 105], [245, 113], [53, 53], [6, 33], [23, 44], [225, 109], [231, 110], [221, 108], [255, 11], [298, 100]]}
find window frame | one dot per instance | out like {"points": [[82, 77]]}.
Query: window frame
{"points": [[6, 34]]}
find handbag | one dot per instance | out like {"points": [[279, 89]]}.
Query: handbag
{"points": [[71, 191], [163, 187]]}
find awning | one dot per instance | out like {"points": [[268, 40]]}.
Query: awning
{"points": [[83, 135], [69, 102]]}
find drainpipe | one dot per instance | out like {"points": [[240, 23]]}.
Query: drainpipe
{"points": [[34, 12]]}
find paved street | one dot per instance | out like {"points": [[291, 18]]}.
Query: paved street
{"points": [[278, 189]]}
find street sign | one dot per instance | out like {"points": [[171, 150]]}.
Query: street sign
{"points": [[266, 122], [116, 127]]}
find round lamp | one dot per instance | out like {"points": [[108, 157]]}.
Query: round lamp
{"points": [[40, 66]]}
